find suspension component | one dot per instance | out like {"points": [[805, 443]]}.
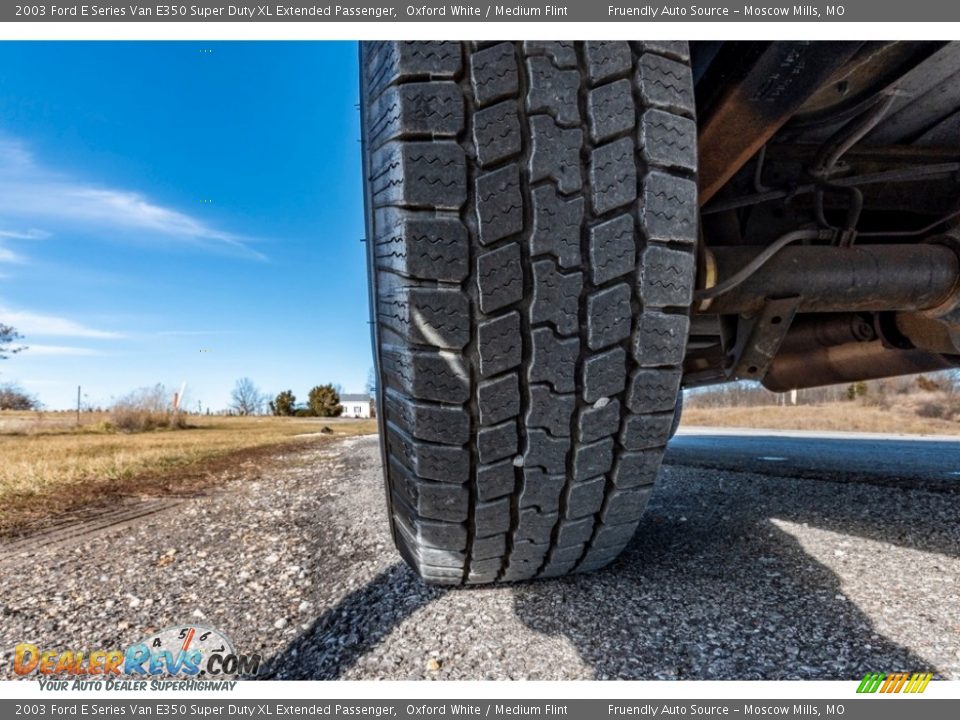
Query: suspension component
{"points": [[872, 278]]}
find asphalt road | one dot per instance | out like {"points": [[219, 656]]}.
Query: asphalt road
{"points": [[732, 575], [925, 462]]}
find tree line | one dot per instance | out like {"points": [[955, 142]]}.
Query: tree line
{"points": [[322, 401], [245, 399]]}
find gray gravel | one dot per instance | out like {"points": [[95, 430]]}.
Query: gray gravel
{"points": [[731, 576]]}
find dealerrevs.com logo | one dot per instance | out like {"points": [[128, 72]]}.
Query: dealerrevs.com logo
{"points": [[190, 651]]}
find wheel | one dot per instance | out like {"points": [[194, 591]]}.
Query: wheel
{"points": [[531, 225]]}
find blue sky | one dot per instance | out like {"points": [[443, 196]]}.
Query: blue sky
{"points": [[162, 199]]}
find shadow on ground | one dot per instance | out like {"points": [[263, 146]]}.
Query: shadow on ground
{"points": [[709, 588]]}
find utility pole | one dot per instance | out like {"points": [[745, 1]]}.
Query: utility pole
{"points": [[78, 406]]}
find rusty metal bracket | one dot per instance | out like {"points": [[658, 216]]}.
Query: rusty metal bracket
{"points": [[759, 338], [751, 112]]}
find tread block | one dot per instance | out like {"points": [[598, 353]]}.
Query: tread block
{"points": [[665, 84], [562, 53], [424, 108], [614, 535], [423, 247], [668, 208], [430, 532], [500, 277], [493, 73], [636, 468], [609, 316], [625, 506], [438, 565], [419, 174], [492, 518], [604, 374], [613, 175], [674, 49], [443, 502], [525, 559], [498, 344], [643, 432], [553, 91], [496, 480], [554, 360], [660, 339], [610, 110], [550, 411], [438, 376], [556, 154], [598, 421], [653, 390], [444, 463], [556, 226], [592, 459], [498, 399], [607, 59], [597, 559], [572, 533], [496, 132], [433, 423], [570, 553], [586, 498], [557, 568], [391, 62], [487, 548], [499, 204], [666, 277], [484, 571], [436, 500], [426, 316], [613, 249], [556, 297], [535, 526], [497, 442], [546, 452], [541, 490], [523, 569], [668, 140]]}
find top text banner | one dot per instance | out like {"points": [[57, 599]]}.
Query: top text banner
{"points": [[524, 11]]}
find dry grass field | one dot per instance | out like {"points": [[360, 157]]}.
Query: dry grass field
{"points": [[48, 465], [835, 416]]}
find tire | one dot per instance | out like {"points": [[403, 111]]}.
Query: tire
{"points": [[677, 416], [531, 225]]}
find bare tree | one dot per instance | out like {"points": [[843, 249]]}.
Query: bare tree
{"points": [[8, 336], [246, 398], [13, 397]]}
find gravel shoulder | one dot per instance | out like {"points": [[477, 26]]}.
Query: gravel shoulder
{"points": [[730, 576]]}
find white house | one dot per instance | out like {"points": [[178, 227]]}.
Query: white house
{"points": [[355, 406]]}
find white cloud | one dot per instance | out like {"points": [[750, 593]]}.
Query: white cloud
{"points": [[31, 324], [60, 350], [188, 333], [31, 234], [9, 256], [36, 193]]}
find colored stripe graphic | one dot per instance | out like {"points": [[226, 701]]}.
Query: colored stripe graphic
{"points": [[870, 683], [894, 683]]}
